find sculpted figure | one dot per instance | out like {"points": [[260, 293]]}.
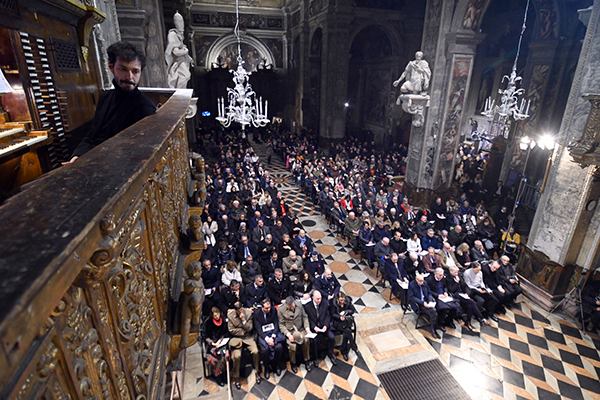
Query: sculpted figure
{"points": [[177, 56], [195, 232], [417, 75], [193, 297]]}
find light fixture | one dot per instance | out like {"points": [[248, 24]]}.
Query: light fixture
{"points": [[509, 106], [243, 106]]}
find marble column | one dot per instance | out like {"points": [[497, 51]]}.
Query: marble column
{"points": [[566, 221], [141, 23], [334, 76], [432, 147]]}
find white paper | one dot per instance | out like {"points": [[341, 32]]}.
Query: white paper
{"points": [[223, 342], [304, 301], [404, 285], [268, 327], [311, 335], [446, 299], [464, 295], [4, 85]]}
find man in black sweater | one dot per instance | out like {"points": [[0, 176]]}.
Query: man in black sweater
{"points": [[123, 106]]}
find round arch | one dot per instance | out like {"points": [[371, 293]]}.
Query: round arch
{"points": [[225, 41], [398, 47]]}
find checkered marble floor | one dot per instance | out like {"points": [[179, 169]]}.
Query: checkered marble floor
{"points": [[528, 354]]}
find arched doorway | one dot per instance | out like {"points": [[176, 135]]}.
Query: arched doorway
{"points": [[371, 97]]}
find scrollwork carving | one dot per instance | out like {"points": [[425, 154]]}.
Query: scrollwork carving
{"points": [[47, 362]]}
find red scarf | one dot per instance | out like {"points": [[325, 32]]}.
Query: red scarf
{"points": [[218, 322]]}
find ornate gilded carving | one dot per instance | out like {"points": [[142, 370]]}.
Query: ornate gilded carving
{"points": [[47, 362], [134, 293], [83, 343], [585, 151], [111, 347]]}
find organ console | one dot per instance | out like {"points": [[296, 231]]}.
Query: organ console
{"points": [[52, 93]]}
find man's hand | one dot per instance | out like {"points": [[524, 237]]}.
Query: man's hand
{"points": [[501, 289], [482, 291], [71, 160], [330, 297], [270, 341], [290, 337], [512, 281]]}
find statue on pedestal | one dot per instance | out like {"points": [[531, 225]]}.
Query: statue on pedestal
{"points": [[414, 97], [177, 56], [417, 75]]}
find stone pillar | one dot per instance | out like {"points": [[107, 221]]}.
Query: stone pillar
{"points": [[335, 59], [567, 216], [106, 34], [547, 64], [431, 151], [141, 23], [419, 169]]}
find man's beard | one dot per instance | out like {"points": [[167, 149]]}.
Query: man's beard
{"points": [[126, 85]]}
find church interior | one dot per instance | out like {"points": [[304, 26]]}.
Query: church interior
{"points": [[492, 106]]}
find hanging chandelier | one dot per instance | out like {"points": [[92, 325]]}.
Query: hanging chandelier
{"points": [[509, 106], [243, 106]]}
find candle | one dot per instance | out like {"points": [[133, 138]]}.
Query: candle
{"points": [[266, 107]]}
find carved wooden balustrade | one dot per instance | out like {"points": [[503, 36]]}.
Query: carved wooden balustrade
{"points": [[88, 254]]}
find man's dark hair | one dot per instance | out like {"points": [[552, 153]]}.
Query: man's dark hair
{"points": [[126, 52]]}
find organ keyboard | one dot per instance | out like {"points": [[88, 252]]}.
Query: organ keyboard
{"points": [[15, 139]]}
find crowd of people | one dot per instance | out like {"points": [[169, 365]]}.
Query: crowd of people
{"points": [[261, 270], [451, 261]]}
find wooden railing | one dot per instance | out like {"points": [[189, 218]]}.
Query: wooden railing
{"points": [[88, 254]]}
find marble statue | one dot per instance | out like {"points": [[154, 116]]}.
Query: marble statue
{"points": [[417, 75], [193, 297], [177, 56]]}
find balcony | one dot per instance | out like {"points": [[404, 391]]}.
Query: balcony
{"points": [[88, 256]]}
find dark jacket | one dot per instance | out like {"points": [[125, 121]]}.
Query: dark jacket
{"points": [[324, 319], [414, 293], [278, 291], [117, 110]]}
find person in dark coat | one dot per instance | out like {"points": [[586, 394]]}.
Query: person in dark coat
{"points": [[214, 331], [245, 248], [304, 285], [315, 264], [232, 294], [458, 289], [256, 292], [328, 284], [422, 300], [448, 310], [123, 106], [212, 281], [270, 338], [342, 317], [319, 320], [279, 288], [397, 276]]}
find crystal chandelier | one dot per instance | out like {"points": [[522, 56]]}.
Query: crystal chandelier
{"points": [[244, 107], [509, 106]]}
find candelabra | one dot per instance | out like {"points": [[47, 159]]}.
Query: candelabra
{"points": [[509, 106], [243, 106]]}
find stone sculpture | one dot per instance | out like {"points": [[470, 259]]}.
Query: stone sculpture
{"points": [[177, 56]]}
